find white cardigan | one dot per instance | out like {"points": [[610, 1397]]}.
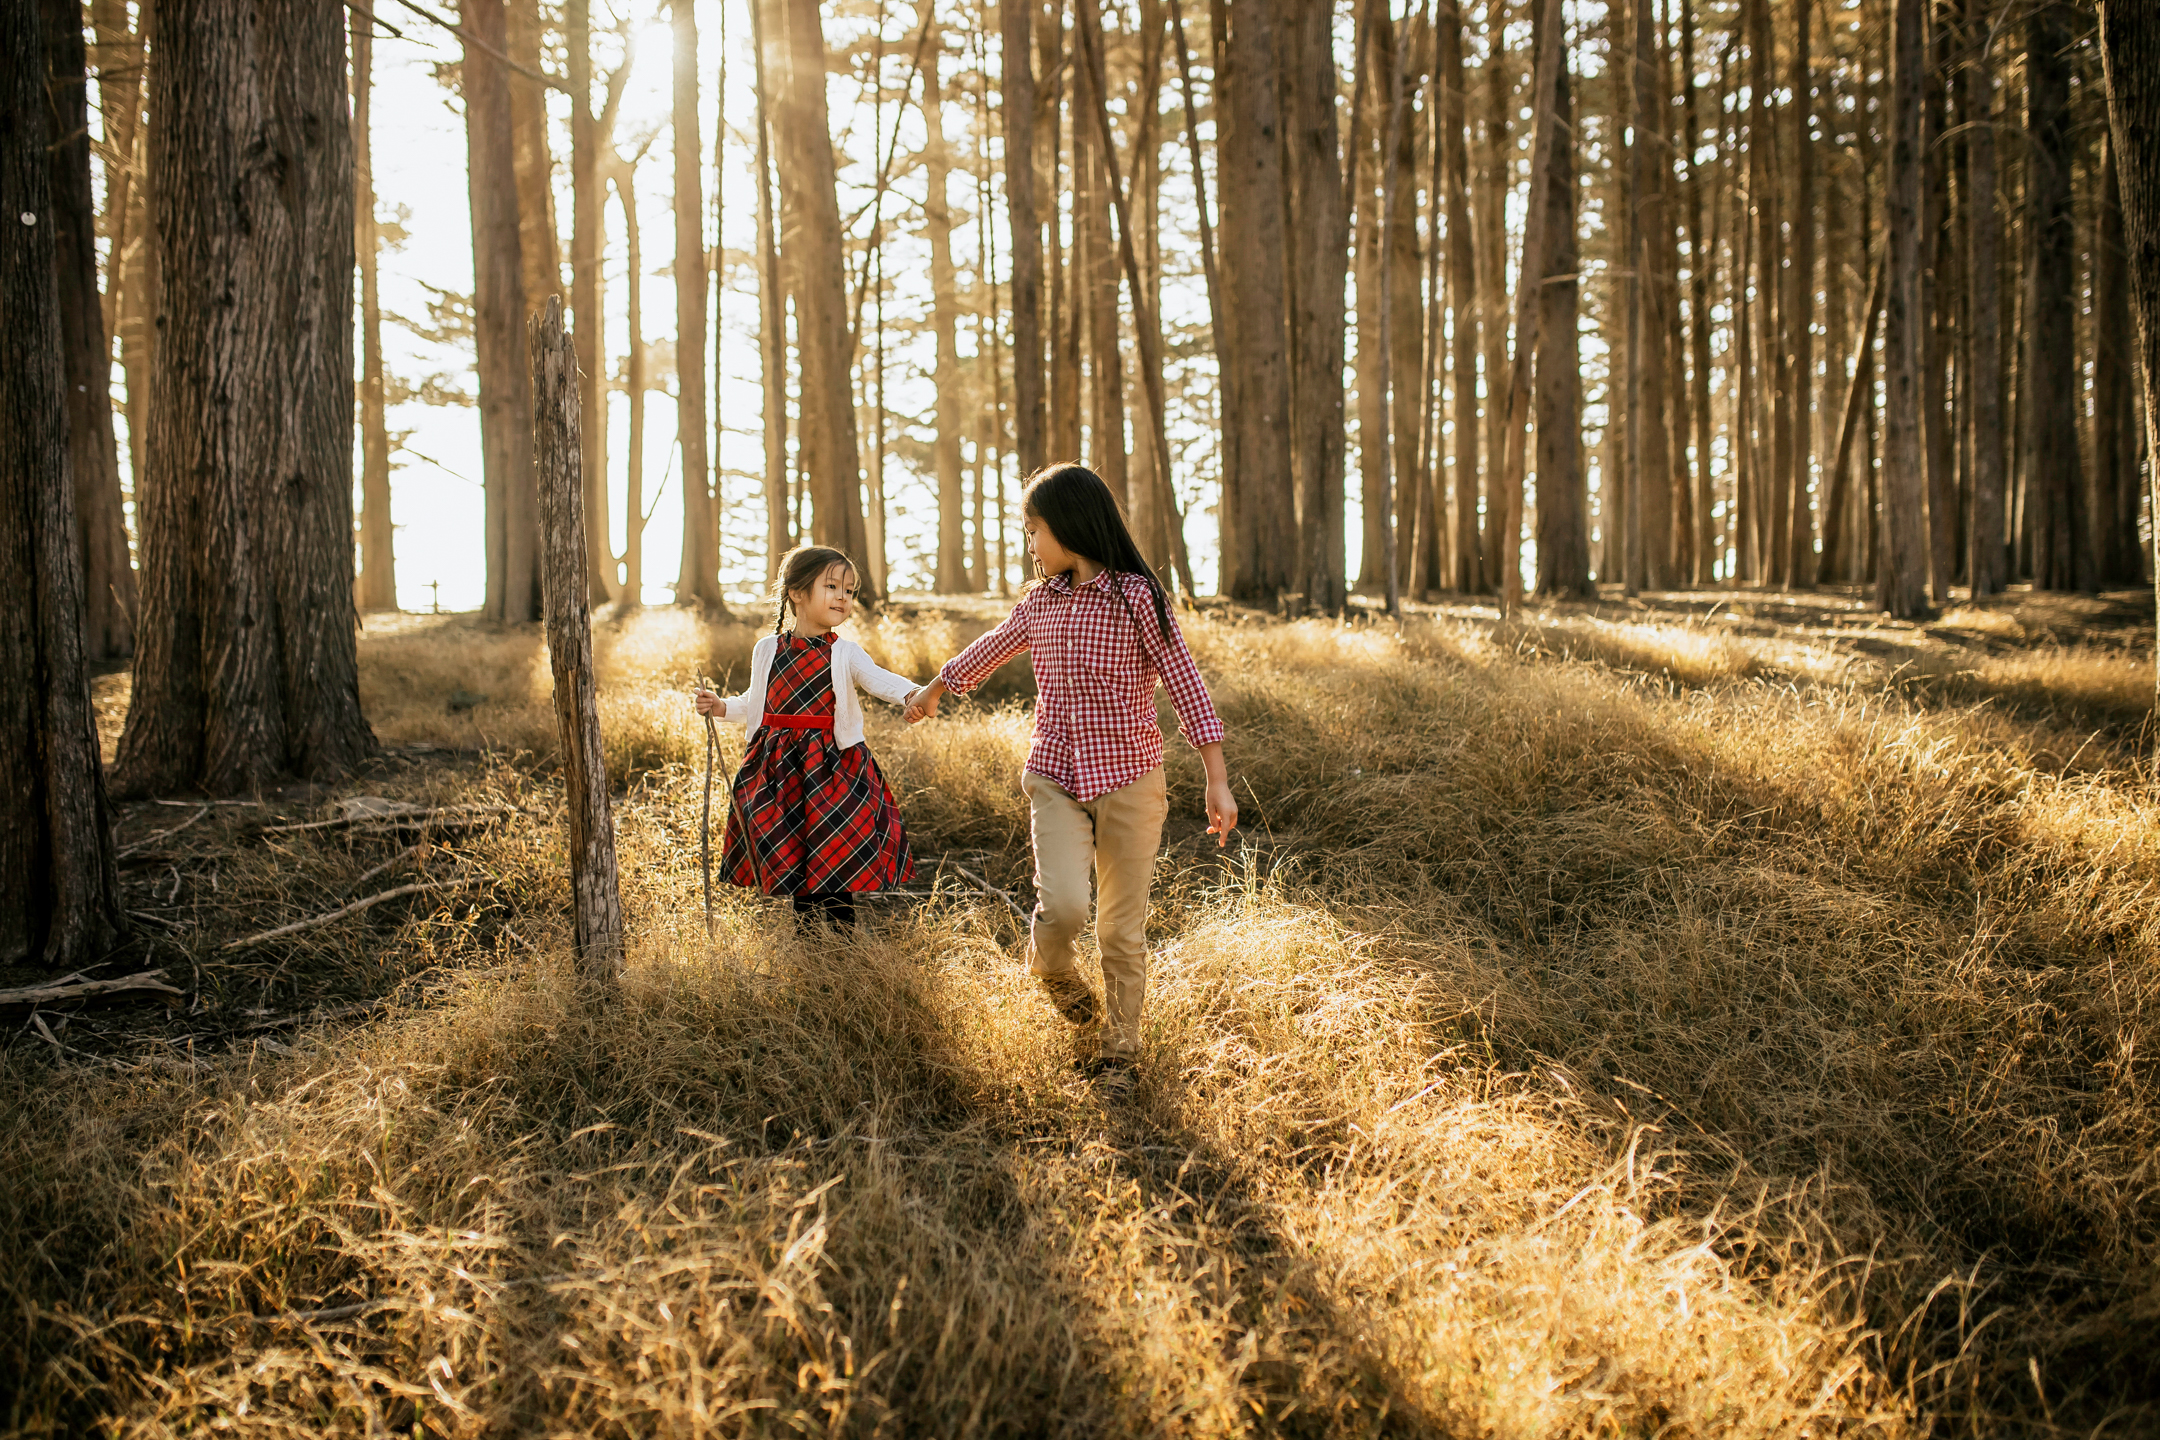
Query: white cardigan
{"points": [[851, 667]]}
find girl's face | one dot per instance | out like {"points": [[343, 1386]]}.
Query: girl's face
{"points": [[824, 606], [1054, 558]]}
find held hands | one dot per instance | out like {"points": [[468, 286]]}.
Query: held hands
{"points": [[922, 702], [1221, 811]]}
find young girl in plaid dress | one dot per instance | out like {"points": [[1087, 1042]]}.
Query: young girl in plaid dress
{"points": [[812, 818], [1099, 629]]}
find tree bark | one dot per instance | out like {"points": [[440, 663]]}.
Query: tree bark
{"points": [[1902, 568], [830, 455], [1464, 304], [107, 580], [246, 667], [513, 592], [1856, 403], [772, 302], [1701, 257], [1018, 115], [1095, 274], [596, 924], [587, 230], [60, 896], [697, 582], [377, 584], [1796, 310], [1773, 488], [2061, 540], [1495, 181], [637, 384], [952, 566], [1259, 502], [2117, 555], [1065, 325], [2130, 53], [1365, 139], [1318, 258], [1399, 49], [1563, 497]]}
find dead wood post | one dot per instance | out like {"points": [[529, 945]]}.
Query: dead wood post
{"points": [[595, 898]]}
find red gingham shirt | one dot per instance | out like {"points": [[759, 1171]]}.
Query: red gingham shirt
{"points": [[1095, 671]]}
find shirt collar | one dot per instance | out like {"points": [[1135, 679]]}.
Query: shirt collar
{"points": [[1062, 582]]}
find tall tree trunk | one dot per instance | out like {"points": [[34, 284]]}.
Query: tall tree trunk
{"points": [[1902, 569], [1318, 260], [1400, 48], [587, 230], [513, 585], [1366, 137], [772, 300], [1496, 180], [1430, 531], [698, 580], [377, 587], [1065, 328], [1018, 116], [1650, 487], [60, 900], [1563, 497], [1861, 388], [1983, 253], [1464, 304], [1259, 502], [128, 276], [106, 583], [2117, 553], [1095, 282], [1937, 302], [828, 448], [952, 567], [1796, 309], [246, 667], [2061, 555], [624, 174], [1774, 485], [1701, 257], [2130, 51], [1671, 248]]}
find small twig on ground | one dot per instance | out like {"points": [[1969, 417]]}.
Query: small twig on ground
{"points": [[358, 905], [408, 853], [156, 919], [76, 988], [447, 816], [989, 889], [148, 840], [335, 1312], [183, 804], [339, 1012]]}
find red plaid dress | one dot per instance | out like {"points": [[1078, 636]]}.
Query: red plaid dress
{"points": [[808, 817]]}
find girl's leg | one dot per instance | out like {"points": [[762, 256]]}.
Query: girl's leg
{"points": [[827, 907], [1128, 836], [1064, 836]]}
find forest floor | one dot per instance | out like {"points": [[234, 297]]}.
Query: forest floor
{"points": [[1712, 1014]]}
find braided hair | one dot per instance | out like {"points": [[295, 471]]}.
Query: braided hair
{"points": [[799, 570]]}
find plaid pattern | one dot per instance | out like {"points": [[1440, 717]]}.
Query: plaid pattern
{"points": [[806, 815], [1097, 655]]}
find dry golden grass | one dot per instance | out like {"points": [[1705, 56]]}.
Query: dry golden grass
{"points": [[1610, 1028]]}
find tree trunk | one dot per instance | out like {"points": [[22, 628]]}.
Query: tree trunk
{"points": [[2061, 554], [1430, 532], [1095, 277], [1670, 254], [377, 587], [2130, 51], [952, 566], [1937, 304], [1796, 310], [772, 304], [1259, 501], [1463, 300], [697, 582], [1366, 137], [246, 668], [1563, 498], [1496, 179], [2118, 556], [596, 924], [1856, 402], [1318, 261], [60, 900], [624, 174], [1018, 115], [1902, 569], [1400, 48], [107, 581], [499, 317], [587, 232], [1701, 257], [830, 456], [1064, 267]]}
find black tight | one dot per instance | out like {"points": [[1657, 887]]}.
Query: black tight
{"points": [[830, 907]]}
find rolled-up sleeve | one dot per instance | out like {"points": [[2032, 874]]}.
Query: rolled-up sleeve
{"points": [[975, 664], [1197, 720]]}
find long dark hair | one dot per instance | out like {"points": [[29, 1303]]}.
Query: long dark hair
{"points": [[1083, 517], [799, 570]]}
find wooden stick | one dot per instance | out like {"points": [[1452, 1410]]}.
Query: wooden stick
{"points": [[314, 921], [712, 746], [73, 987], [991, 889], [399, 820], [149, 840]]}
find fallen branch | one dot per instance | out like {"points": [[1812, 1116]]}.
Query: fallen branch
{"points": [[74, 987], [358, 905], [335, 1312], [382, 821], [989, 889], [126, 850], [393, 862]]}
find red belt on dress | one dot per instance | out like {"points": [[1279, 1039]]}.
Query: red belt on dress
{"points": [[799, 722]]}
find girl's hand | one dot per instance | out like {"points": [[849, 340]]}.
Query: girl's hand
{"points": [[710, 704], [1221, 812], [923, 702]]}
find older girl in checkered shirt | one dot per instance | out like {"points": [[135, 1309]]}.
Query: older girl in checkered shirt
{"points": [[1099, 628]]}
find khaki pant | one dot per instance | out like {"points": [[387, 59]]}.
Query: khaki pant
{"points": [[1118, 834]]}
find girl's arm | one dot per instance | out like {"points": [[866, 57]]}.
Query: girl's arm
{"points": [[883, 683], [1221, 803], [1197, 720], [974, 665]]}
